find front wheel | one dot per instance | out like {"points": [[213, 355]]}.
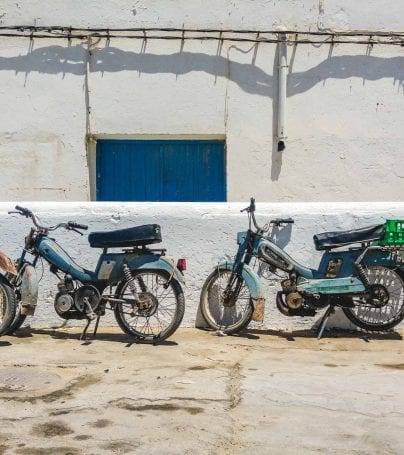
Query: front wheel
{"points": [[8, 306], [157, 312], [384, 308], [225, 307], [17, 322]]}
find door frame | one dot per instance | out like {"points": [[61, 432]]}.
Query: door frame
{"points": [[92, 149]]}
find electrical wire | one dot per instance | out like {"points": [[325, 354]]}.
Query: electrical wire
{"points": [[272, 36]]}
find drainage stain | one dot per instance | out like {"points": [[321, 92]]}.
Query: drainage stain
{"points": [[101, 423], [66, 392], [48, 451], [51, 429], [168, 407], [121, 447], [393, 366], [200, 368], [82, 437]]}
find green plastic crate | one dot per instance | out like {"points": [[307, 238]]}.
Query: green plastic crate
{"points": [[394, 232]]}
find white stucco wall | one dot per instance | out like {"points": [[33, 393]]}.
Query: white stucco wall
{"points": [[202, 233], [344, 107]]}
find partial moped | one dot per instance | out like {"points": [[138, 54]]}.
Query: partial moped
{"points": [[361, 271], [141, 285]]}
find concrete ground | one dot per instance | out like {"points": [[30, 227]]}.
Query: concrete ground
{"points": [[263, 392]]}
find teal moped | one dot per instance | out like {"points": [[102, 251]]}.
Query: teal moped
{"points": [[361, 271], [140, 284]]}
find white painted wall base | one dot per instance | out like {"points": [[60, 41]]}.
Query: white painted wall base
{"points": [[200, 232]]}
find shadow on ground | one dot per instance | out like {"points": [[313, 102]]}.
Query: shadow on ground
{"points": [[28, 332]]}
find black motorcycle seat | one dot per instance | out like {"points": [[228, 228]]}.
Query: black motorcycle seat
{"points": [[329, 240], [131, 237]]}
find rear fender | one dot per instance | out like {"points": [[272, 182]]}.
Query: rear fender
{"points": [[162, 263], [251, 278]]}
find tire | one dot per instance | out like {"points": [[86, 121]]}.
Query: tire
{"points": [[17, 322], [231, 319], [384, 317], [8, 307], [166, 304]]}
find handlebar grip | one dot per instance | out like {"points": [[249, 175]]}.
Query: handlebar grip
{"points": [[23, 210], [251, 207], [252, 204], [77, 225], [279, 221]]}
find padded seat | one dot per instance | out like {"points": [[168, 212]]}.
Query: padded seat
{"points": [[329, 240], [131, 237]]}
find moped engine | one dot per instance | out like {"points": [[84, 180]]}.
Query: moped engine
{"points": [[63, 303], [79, 303], [87, 298]]}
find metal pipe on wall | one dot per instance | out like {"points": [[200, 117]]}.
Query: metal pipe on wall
{"points": [[282, 81]]}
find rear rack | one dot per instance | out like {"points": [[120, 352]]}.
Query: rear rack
{"points": [[144, 249]]}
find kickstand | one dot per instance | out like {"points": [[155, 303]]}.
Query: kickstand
{"points": [[83, 335], [324, 321], [96, 326]]}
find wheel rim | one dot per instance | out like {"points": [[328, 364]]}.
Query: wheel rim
{"points": [[226, 316], [382, 313], [157, 310]]}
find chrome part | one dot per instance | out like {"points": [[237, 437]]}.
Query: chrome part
{"points": [[130, 281], [63, 303]]}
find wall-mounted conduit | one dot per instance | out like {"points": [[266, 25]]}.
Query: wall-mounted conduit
{"points": [[252, 36]]}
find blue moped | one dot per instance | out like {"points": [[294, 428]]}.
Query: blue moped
{"points": [[359, 271], [148, 300]]}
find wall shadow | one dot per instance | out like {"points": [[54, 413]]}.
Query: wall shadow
{"points": [[250, 78]]}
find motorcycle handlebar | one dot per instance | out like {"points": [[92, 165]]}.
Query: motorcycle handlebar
{"points": [[69, 225], [74, 225]]}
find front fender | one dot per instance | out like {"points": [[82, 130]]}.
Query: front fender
{"points": [[251, 278], [160, 263], [29, 290]]}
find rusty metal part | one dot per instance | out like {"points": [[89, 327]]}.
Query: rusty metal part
{"points": [[259, 310], [288, 286], [29, 290], [7, 264], [294, 300]]}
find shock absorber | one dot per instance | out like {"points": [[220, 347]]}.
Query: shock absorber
{"points": [[362, 274], [130, 280]]}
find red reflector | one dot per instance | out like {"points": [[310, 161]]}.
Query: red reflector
{"points": [[182, 264]]}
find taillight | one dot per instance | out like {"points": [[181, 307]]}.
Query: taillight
{"points": [[182, 264]]}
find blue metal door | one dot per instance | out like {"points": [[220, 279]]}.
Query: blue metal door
{"points": [[174, 170]]}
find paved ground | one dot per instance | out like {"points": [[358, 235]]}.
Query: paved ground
{"points": [[265, 392]]}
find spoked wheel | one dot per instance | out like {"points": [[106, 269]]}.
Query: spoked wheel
{"points": [[7, 307], [226, 309], [384, 307], [157, 313]]}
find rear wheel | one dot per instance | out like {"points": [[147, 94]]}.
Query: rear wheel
{"points": [[226, 309], [384, 308], [8, 306], [158, 311]]}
